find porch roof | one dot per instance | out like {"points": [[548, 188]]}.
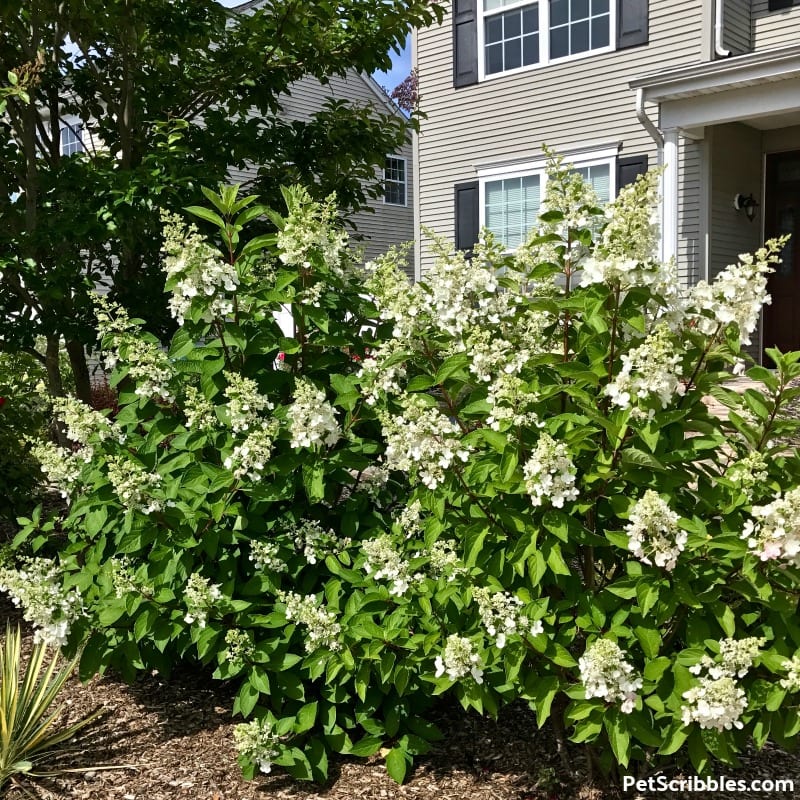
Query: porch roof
{"points": [[693, 80], [730, 90]]}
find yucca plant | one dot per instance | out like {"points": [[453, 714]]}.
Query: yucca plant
{"points": [[28, 717]]}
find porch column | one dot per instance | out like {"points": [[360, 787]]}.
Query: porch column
{"points": [[669, 222]]}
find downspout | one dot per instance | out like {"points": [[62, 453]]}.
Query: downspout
{"points": [[647, 123], [719, 30]]}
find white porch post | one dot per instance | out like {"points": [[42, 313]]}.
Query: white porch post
{"points": [[669, 221]]}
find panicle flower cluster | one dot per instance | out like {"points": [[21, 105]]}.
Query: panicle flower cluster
{"points": [[444, 561], [792, 680], [323, 629], [36, 588], [717, 701], [148, 366], [62, 468], [422, 441], [651, 370], [456, 296], [775, 532], [371, 480], [194, 269], [379, 376], [502, 616], [83, 423], [112, 318], [383, 562], [244, 402], [511, 404], [315, 542], [550, 473], [198, 410], [409, 520], [606, 673], [749, 472], [312, 419], [133, 485], [632, 231], [459, 659], [737, 293], [714, 703], [257, 742], [250, 458], [736, 656], [313, 230], [266, 555], [123, 578], [199, 596], [239, 647], [653, 532]]}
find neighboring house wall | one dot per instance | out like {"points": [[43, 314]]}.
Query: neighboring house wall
{"points": [[583, 102], [388, 224], [737, 35]]}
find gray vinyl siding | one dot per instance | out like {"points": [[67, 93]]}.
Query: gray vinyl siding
{"points": [[578, 103], [737, 26], [731, 232], [691, 256], [387, 224], [774, 28]]}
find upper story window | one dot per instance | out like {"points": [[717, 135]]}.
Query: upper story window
{"points": [[395, 182], [517, 34], [511, 202], [71, 139]]}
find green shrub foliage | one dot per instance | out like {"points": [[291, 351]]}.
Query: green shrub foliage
{"points": [[499, 483]]}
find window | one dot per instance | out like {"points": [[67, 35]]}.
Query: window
{"points": [[516, 34], [71, 138], [394, 181], [510, 202], [577, 26]]}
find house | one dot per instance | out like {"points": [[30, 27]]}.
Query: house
{"points": [[710, 89], [391, 218]]}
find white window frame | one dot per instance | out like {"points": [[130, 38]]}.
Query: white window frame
{"points": [[538, 167], [404, 182], [76, 127], [544, 38]]}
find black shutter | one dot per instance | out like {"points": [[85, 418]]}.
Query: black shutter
{"points": [[777, 5], [632, 26], [629, 169], [465, 42], [467, 215]]}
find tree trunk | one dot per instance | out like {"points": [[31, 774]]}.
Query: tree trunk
{"points": [[54, 382], [80, 371]]}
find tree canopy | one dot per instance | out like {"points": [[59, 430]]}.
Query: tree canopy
{"points": [[172, 93]]}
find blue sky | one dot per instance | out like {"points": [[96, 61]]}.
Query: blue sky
{"points": [[401, 66]]}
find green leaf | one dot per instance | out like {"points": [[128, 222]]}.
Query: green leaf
{"points": [[649, 639], [396, 764], [366, 747], [618, 735], [306, 717], [207, 214], [314, 481]]}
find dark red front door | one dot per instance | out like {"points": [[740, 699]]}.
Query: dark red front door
{"points": [[782, 215]]}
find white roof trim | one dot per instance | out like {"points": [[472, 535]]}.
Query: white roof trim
{"points": [[765, 66]]}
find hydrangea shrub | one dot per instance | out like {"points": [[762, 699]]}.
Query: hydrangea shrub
{"points": [[499, 483]]}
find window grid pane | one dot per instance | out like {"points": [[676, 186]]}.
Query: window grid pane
{"points": [[71, 140], [511, 38], [577, 26], [394, 181], [511, 208]]}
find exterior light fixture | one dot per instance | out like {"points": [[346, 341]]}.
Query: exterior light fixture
{"points": [[746, 203]]}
